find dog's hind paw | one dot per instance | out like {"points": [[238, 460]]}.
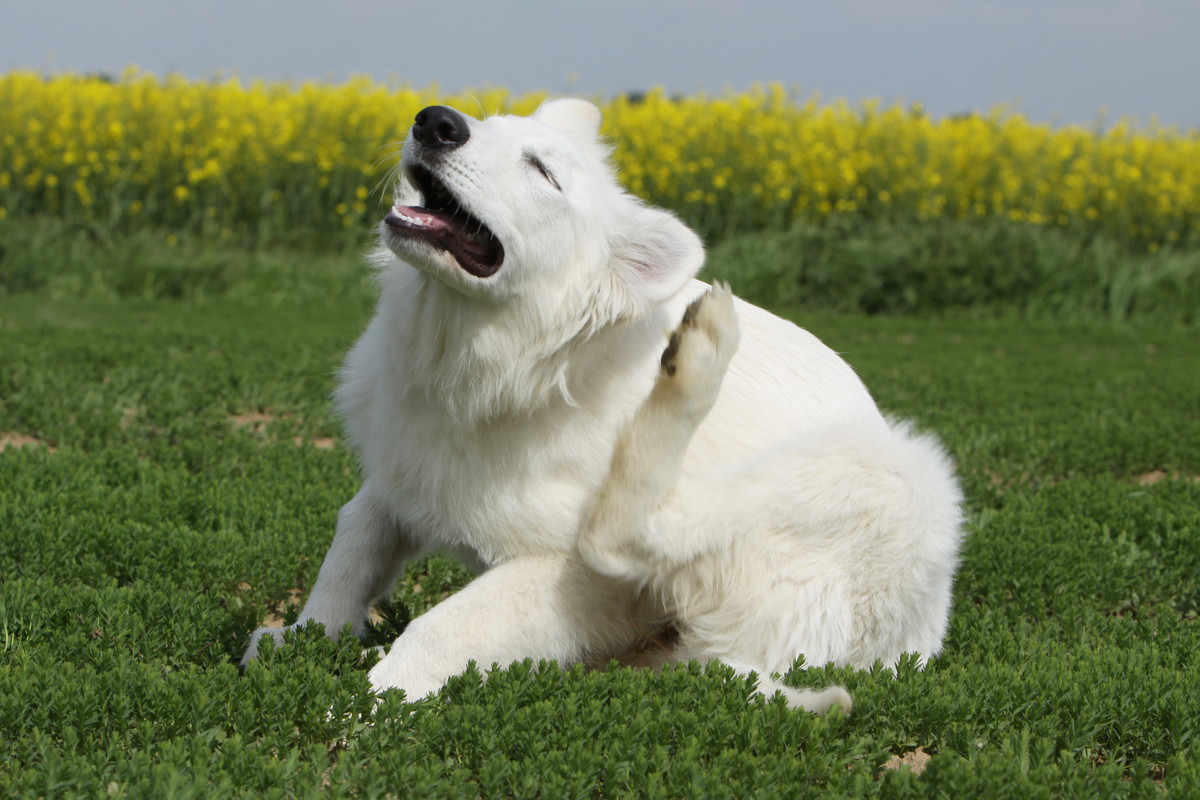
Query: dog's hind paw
{"points": [[699, 350]]}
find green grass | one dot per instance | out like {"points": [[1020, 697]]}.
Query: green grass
{"points": [[144, 534]]}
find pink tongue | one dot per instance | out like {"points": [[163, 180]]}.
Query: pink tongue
{"points": [[452, 232], [431, 219]]}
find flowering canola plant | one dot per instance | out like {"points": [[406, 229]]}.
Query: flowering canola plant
{"points": [[269, 159]]}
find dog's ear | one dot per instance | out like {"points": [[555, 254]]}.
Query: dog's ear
{"points": [[578, 119], [654, 259]]}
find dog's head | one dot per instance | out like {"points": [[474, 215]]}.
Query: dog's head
{"points": [[528, 207]]}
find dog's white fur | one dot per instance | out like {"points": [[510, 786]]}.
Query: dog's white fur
{"points": [[748, 489]]}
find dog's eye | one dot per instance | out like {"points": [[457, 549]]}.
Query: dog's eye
{"points": [[537, 164]]}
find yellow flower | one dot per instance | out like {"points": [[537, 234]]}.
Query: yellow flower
{"points": [[232, 155]]}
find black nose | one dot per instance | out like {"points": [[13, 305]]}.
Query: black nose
{"points": [[441, 127]]}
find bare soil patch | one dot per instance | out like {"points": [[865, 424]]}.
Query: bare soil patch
{"points": [[1158, 476], [256, 422], [16, 440], [915, 760]]}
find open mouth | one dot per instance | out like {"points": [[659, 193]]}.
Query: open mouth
{"points": [[443, 223]]}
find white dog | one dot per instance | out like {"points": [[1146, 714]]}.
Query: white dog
{"points": [[512, 402]]}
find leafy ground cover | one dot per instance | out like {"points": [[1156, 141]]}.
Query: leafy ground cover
{"points": [[981, 268], [170, 474]]}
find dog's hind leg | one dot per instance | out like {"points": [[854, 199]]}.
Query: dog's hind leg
{"points": [[641, 528], [538, 607], [648, 456]]}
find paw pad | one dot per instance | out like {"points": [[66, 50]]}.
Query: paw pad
{"points": [[689, 313], [668, 356]]}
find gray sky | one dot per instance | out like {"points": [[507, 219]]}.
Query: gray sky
{"points": [[1054, 60]]}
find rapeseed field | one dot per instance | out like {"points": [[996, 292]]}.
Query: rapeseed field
{"points": [[235, 159]]}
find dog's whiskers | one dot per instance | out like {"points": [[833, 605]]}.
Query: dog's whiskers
{"points": [[391, 178], [483, 114]]}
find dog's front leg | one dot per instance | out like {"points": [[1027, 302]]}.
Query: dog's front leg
{"points": [[539, 607], [620, 537], [367, 553]]}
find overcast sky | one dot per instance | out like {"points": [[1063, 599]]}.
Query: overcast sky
{"points": [[1055, 60]]}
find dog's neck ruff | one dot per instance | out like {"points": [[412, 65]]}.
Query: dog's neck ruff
{"points": [[479, 361]]}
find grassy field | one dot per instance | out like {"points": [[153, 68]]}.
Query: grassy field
{"points": [[171, 473]]}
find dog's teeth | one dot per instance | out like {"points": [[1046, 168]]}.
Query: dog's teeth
{"points": [[409, 218]]}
